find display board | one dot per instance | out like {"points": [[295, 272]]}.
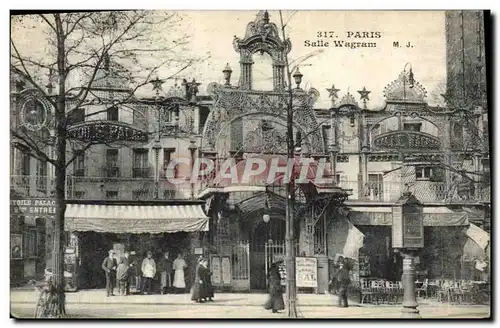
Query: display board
{"points": [[226, 270], [306, 272], [215, 267]]}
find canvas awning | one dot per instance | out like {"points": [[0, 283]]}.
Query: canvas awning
{"points": [[135, 218], [433, 216]]}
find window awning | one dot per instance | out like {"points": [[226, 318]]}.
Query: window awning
{"points": [[135, 218]]}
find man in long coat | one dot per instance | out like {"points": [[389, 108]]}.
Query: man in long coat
{"points": [[275, 301]]}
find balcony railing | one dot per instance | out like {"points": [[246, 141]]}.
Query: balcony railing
{"points": [[425, 191], [138, 189], [97, 188]]}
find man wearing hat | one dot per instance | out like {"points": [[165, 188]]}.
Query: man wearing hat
{"points": [[343, 281], [109, 266]]}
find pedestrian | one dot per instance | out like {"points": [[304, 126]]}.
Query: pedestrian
{"points": [[109, 266], [197, 292], [206, 277], [343, 281], [148, 272], [165, 268], [122, 276], [126, 261], [134, 271], [275, 300], [179, 265]]}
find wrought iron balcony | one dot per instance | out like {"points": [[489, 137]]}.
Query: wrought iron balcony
{"points": [[138, 189], [32, 186], [97, 188], [426, 191]]}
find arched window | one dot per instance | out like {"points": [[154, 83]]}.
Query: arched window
{"points": [[262, 72]]}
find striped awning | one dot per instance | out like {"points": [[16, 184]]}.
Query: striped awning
{"points": [[135, 218]]}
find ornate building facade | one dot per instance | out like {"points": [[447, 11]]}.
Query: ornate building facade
{"points": [[373, 154]]}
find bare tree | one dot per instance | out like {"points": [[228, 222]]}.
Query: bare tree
{"points": [[76, 48]]}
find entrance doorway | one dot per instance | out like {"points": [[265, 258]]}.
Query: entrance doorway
{"points": [[272, 233]]}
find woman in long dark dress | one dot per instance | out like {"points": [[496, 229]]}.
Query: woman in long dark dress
{"points": [[275, 301], [198, 292], [206, 278]]}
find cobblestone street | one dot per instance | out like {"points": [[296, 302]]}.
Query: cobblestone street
{"points": [[94, 304]]}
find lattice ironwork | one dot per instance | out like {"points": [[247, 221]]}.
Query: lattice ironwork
{"points": [[106, 131], [407, 140], [400, 90]]}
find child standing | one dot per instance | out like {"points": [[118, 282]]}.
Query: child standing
{"points": [[122, 276]]}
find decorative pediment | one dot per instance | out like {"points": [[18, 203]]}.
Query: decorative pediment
{"points": [[404, 89], [348, 99]]}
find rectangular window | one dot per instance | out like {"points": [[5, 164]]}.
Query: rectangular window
{"points": [[204, 111], [26, 164], [375, 186], [112, 168], [111, 194], [372, 131], [327, 136], [412, 127], [79, 164], [141, 163], [30, 237], [41, 175], [423, 172], [113, 113], [140, 194], [167, 158]]}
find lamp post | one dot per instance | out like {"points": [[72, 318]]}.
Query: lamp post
{"points": [[192, 149], [227, 74], [407, 237], [157, 87], [297, 76], [411, 80]]}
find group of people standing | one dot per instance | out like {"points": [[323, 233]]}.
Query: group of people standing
{"points": [[123, 271]]}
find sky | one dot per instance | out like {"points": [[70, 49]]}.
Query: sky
{"points": [[348, 69]]}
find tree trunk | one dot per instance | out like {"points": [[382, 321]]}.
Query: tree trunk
{"points": [[60, 172]]}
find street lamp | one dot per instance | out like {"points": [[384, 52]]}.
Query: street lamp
{"points": [[192, 149], [297, 76], [227, 74], [411, 79]]}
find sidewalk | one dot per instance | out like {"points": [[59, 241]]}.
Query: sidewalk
{"points": [[95, 304]]}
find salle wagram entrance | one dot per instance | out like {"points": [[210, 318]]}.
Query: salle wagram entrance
{"points": [[267, 245]]}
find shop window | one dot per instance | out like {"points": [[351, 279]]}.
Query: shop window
{"points": [[30, 237]]}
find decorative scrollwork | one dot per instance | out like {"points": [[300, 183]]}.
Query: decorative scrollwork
{"points": [[399, 90]]}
